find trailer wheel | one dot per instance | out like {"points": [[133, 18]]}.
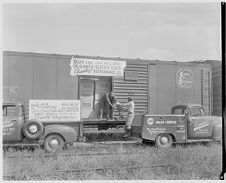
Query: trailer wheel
{"points": [[54, 143], [164, 140], [33, 130]]}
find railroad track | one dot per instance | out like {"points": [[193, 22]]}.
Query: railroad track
{"points": [[102, 144], [69, 155], [57, 173]]}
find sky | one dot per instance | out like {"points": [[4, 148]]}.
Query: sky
{"points": [[155, 31]]}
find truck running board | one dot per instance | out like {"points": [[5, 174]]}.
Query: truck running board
{"points": [[199, 140]]}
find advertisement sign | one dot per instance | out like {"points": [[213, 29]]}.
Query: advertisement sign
{"points": [[184, 78], [54, 110], [94, 67], [9, 126], [201, 125]]}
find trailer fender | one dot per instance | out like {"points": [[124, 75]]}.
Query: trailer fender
{"points": [[68, 133]]}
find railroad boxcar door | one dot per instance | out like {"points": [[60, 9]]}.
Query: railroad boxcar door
{"points": [[92, 88]]}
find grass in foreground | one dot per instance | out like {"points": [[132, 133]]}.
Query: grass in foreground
{"points": [[187, 162]]}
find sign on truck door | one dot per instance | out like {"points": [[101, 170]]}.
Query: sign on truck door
{"points": [[199, 125], [10, 123]]}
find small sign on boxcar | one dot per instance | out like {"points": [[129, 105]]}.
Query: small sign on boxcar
{"points": [[54, 110], [184, 78]]}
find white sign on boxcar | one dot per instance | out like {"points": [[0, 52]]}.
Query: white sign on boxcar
{"points": [[184, 78], [94, 67], [54, 110]]}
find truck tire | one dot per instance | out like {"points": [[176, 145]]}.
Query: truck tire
{"points": [[164, 140], [54, 143], [33, 129]]}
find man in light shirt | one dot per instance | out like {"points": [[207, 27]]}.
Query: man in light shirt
{"points": [[129, 107]]}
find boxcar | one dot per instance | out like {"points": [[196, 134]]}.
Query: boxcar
{"points": [[155, 85]]}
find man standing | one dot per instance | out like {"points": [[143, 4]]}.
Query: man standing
{"points": [[106, 105], [130, 115]]}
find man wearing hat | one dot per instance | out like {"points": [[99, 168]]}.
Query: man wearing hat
{"points": [[129, 107]]}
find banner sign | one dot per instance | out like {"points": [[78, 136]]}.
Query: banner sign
{"points": [[80, 66], [54, 110], [184, 78]]}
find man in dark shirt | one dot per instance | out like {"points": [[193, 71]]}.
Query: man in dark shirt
{"points": [[106, 105]]}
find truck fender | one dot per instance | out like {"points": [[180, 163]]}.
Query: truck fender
{"points": [[69, 134], [173, 136]]}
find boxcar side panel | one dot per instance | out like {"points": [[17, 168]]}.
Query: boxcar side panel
{"points": [[5, 76], [5, 70], [20, 75], [67, 85], [217, 90], [206, 90], [166, 88], [197, 85], [44, 83], [153, 89]]}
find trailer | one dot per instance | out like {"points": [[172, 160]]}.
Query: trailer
{"points": [[155, 85]]}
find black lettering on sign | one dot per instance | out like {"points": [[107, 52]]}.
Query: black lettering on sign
{"points": [[54, 110]]}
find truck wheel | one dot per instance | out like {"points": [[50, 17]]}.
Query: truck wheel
{"points": [[53, 143], [164, 140], [33, 129]]}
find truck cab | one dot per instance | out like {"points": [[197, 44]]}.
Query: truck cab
{"points": [[187, 123], [53, 136]]}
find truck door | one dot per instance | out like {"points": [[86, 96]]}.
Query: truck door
{"points": [[10, 123], [198, 124]]}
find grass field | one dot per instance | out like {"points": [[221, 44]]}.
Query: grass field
{"points": [[115, 162]]}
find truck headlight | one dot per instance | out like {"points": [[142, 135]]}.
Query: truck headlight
{"points": [[33, 129]]}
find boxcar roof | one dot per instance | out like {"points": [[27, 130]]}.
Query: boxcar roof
{"points": [[132, 60]]}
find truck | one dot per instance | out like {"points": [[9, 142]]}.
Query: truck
{"points": [[186, 123], [53, 136]]}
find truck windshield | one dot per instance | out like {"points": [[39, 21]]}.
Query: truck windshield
{"points": [[197, 111], [9, 110], [178, 111]]}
